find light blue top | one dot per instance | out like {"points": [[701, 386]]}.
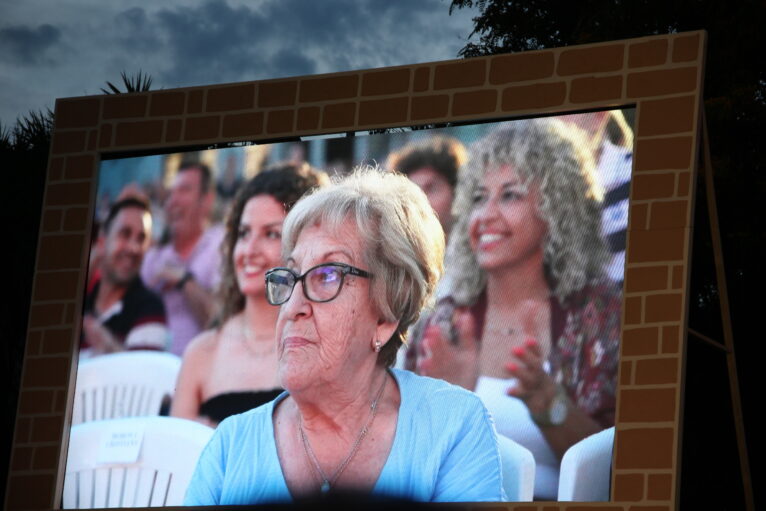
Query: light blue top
{"points": [[445, 450]]}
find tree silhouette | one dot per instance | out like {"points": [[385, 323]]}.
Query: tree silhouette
{"points": [[140, 82], [23, 159], [31, 132]]}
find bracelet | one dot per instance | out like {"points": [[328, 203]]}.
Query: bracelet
{"points": [[557, 410], [186, 278]]}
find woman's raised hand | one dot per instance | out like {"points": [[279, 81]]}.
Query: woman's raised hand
{"points": [[534, 386], [458, 362]]}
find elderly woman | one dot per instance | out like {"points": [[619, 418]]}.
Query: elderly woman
{"points": [[525, 317], [217, 377], [361, 258]]}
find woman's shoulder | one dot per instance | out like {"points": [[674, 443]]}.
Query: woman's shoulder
{"points": [[435, 394], [242, 440], [206, 343], [202, 346], [606, 288], [197, 360], [245, 423], [604, 294], [590, 329]]}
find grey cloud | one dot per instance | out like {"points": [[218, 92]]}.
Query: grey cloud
{"points": [[25, 45], [354, 34], [136, 32], [216, 42], [213, 41], [289, 62], [181, 43]]}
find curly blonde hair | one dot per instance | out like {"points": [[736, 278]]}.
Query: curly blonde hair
{"points": [[558, 158]]}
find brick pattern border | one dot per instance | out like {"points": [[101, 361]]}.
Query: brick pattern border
{"points": [[661, 75]]}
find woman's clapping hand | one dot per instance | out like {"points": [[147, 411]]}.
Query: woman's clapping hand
{"points": [[534, 386], [456, 362]]}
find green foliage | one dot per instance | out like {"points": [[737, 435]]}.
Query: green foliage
{"points": [[735, 31], [6, 137], [30, 133], [140, 82]]}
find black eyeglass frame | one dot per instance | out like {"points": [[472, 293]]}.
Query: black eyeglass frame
{"points": [[345, 269]]}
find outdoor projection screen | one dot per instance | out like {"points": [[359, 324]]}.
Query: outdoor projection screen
{"points": [[657, 80]]}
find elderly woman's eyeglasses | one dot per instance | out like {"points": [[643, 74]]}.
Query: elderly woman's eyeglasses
{"points": [[321, 283]]}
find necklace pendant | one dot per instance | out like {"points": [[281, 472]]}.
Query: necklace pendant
{"points": [[325, 487]]}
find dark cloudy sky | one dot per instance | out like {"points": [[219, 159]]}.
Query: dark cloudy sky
{"points": [[61, 48]]}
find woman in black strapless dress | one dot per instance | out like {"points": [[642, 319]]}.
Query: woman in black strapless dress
{"points": [[233, 368]]}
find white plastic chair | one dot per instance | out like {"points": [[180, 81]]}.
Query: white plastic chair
{"points": [[129, 384], [518, 470], [166, 458], [586, 469]]}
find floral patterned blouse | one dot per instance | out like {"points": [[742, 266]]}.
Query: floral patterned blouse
{"points": [[584, 355], [586, 350]]}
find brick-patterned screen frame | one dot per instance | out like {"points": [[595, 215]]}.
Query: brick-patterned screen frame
{"points": [[661, 75]]}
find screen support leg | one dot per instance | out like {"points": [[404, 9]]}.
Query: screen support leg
{"points": [[728, 334]]}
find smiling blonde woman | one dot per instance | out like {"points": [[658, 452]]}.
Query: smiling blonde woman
{"points": [[526, 318]]}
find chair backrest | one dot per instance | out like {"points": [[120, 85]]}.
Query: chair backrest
{"points": [[129, 384], [165, 458], [518, 470], [586, 469]]}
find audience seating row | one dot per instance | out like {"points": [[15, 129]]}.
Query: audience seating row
{"points": [[122, 454]]}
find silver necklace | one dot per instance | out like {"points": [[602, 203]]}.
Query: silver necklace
{"points": [[328, 482], [502, 331], [248, 337]]}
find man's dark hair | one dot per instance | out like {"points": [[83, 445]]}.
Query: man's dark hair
{"points": [[205, 175], [443, 154], [129, 202]]}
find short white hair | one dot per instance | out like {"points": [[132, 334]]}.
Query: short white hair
{"points": [[402, 238]]}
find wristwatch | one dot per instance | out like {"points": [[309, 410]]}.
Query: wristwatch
{"points": [[557, 411], [186, 278]]}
